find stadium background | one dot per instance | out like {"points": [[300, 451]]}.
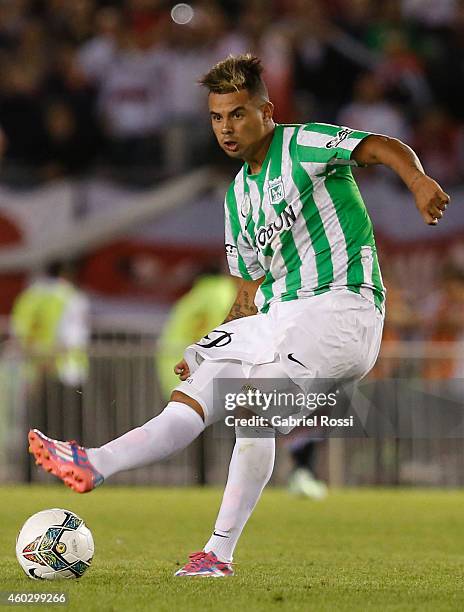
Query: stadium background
{"points": [[108, 157]]}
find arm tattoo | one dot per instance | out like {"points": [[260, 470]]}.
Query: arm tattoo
{"points": [[242, 307]]}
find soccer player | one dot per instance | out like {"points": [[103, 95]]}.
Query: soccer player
{"points": [[310, 304]]}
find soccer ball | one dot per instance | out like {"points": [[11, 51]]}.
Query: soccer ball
{"points": [[54, 544]]}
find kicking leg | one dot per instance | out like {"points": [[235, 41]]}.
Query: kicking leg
{"points": [[83, 469], [175, 428], [190, 410]]}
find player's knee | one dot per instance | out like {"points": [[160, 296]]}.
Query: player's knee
{"points": [[178, 396], [251, 430]]}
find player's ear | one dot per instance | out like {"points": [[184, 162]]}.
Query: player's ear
{"points": [[267, 109]]}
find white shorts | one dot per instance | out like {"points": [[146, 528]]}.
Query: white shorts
{"points": [[335, 335]]}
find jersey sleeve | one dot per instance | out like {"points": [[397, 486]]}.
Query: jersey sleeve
{"points": [[241, 257], [328, 145]]}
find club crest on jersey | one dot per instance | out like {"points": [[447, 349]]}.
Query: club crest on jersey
{"points": [[340, 137], [246, 205], [276, 191]]}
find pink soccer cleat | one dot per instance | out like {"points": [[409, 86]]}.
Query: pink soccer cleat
{"points": [[65, 460], [206, 565]]}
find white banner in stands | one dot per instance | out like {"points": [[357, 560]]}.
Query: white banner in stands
{"points": [[38, 214]]}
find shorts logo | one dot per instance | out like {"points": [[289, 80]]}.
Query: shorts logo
{"points": [[340, 137], [231, 250], [246, 206], [219, 339], [276, 191]]}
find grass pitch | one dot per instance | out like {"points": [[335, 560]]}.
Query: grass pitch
{"points": [[358, 550]]}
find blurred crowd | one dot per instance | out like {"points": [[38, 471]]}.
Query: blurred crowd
{"points": [[436, 321], [101, 84], [110, 86]]}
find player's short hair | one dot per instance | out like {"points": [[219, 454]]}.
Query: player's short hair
{"points": [[235, 73]]}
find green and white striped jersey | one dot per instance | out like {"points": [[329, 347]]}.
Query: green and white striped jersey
{"points": [[301, 222]]}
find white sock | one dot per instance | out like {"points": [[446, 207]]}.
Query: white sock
{"points": [[250, 468], [172, 430]]}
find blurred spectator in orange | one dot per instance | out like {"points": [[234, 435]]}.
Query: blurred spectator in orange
{"points": [[401, 322], [444, 323]]}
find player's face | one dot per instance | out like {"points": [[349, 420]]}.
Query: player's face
{"points": [[240, 122]]}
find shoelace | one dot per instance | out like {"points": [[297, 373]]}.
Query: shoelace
{"points": [[197, 559], [80, 460]]}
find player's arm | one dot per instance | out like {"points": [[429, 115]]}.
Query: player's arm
{"points": [[244, 304], [431, 200]]}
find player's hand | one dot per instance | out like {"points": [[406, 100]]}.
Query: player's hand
{"points": [[182, 370], [431, 200]]}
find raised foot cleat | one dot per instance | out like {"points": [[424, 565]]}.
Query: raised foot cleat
{"points": [[206, 565], [65, 460]]}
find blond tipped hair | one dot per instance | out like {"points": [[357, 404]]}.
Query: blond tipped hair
{"points": [[235, 73]]}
